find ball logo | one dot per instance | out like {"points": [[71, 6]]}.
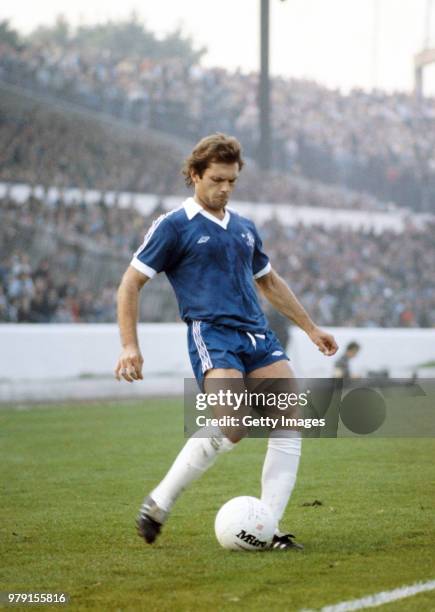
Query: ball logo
{"points": [[245, 523], [250, 539]]}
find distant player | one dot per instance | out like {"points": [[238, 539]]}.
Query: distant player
{"points": [[342, 366], [214, 260]]}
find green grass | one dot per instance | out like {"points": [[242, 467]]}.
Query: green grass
{"points": [[73, 478]]}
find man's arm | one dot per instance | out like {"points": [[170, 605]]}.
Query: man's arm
{"points": [[129, 365], [276, 291]]}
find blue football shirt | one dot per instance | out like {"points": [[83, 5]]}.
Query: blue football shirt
{"points": [[210, 263]]}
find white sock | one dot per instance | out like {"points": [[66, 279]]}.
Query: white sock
{"points": [[280, 469], [197, 455]]}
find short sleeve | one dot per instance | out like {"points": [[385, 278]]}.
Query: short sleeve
{"points": [[260, 262], [157, 251]]}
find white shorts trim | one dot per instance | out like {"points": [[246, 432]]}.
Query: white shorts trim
{"points": [[206, 363]]}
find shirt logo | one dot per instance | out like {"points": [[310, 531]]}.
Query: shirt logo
{"points": [[249, 239], [203, 239], [277, 353]]}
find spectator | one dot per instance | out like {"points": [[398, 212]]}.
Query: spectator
{"points": [[342, 367]]}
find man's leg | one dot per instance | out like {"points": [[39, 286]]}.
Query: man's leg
{"points": [[282, 457], [198, 454]]}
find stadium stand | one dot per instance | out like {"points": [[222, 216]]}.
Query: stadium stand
{"points": [[375, 142], [43, 143], [80, 119]]}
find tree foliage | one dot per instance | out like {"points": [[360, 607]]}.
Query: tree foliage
{"points": [[58, 33], [8, 35], [127, 38]]}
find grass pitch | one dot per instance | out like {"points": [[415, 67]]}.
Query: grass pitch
{"points": [[73, 478]]}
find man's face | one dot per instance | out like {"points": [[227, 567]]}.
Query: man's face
{"points": [[214, 188]]}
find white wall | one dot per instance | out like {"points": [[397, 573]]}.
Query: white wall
{"points": [[42, 352], [400, 351], [63, 362], [37, 352]]}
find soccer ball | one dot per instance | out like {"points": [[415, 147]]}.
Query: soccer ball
{"points": [[245, 523]]}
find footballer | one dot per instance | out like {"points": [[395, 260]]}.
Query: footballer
{"points": [[214, 260]]}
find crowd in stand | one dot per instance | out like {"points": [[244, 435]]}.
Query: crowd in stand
{"points": [[43, 145], [343, 277], [33, 294], [61, 262], [350, 278], [30, 293], [376, 142]]}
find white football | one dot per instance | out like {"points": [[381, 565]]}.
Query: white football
{"points": [[245, 523]]}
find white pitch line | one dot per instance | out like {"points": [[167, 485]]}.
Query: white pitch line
{"points": [[379, 599]]}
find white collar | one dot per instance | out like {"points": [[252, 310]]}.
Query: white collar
{"points": [[192, 208]]}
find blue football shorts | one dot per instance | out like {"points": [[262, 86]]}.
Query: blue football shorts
{"points": [[220, 346]]}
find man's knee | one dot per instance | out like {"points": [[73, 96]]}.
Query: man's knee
{"points": [[234, 437]]}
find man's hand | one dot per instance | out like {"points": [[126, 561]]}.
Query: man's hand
{"points": [[326, 342], [129, 366]]}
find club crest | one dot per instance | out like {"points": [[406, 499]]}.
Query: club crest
{"points": [[249, 239]]}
